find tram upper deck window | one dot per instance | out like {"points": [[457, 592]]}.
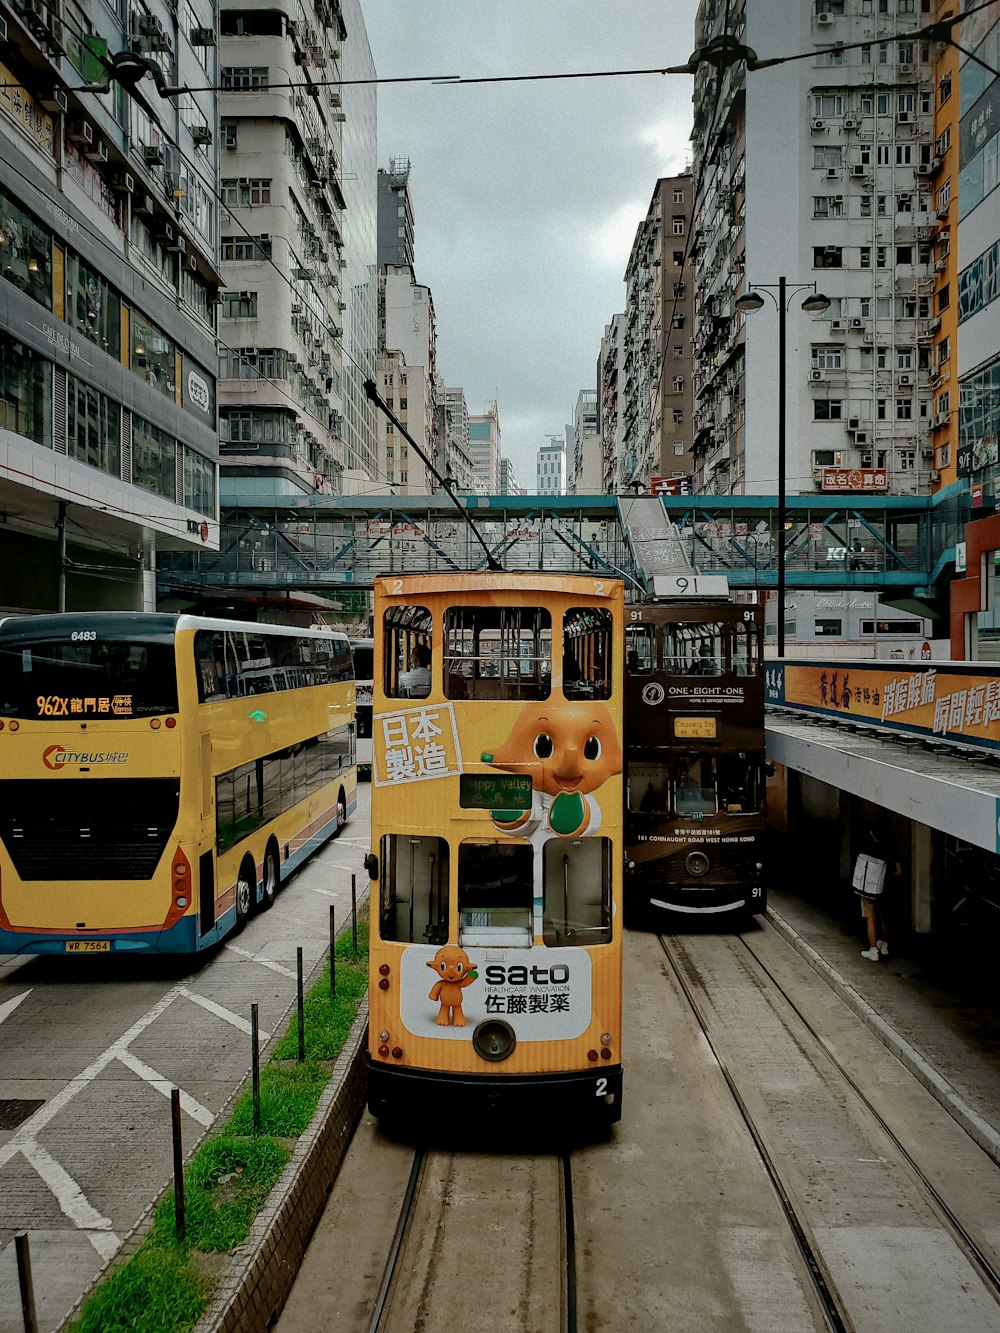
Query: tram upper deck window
{"points": [[407, 652], [695, 648], [577, 891], [745, 648], [414, 891], [587, 653], [640, 649], [497, 652], [694, 785], [495, 894]]}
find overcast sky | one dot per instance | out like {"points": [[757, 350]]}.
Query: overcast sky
{"points": [[526, 197]]}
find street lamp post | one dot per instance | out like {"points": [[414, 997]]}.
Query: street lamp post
{"points": [[749, 302]]}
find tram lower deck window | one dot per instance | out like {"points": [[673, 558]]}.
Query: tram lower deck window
{"points": [[577, 891], [413, 906], [495, 894]]}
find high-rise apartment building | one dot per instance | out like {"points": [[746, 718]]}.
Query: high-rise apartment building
{"points": [[108, 239], [610, 381], [584, 466], [484, 445], [395, 215], [298, 181], [550, 467], [818, 171], [407, 364], [453, 432]]}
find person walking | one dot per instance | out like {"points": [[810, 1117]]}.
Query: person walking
{"points": [[874, 874]]}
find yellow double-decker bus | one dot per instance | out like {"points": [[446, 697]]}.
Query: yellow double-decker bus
{"points": [[161, 774], [496, 925]]}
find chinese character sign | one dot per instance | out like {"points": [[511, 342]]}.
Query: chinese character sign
{"points": [[946, 703], [416, 744], [855, 479]]}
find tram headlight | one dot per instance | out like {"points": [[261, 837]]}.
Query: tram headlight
{"points": [[605, 1038], [697, 864], [383, 1036], [494, 1040]]}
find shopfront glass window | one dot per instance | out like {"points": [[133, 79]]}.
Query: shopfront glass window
{"points": [[25, 392], [92, 308], [153, 356], [154, 459], [200, 489], [93, 428], [25, 253]]}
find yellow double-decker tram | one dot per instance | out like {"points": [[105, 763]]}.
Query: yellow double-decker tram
{"points": [[496, 924]]}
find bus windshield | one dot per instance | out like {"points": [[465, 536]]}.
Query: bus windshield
{"points": [[42, 676]]}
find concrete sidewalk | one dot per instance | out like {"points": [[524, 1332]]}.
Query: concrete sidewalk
{"points": [[938, 1012]]}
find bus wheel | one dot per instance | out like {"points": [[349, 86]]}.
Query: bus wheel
{"points": [[272, 877], [244, 892]]}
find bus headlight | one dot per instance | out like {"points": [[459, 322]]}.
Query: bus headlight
{"points": [[696, 863], [494, 1040]]}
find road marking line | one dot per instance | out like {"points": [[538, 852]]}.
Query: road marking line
{"points": [[264, 962], [27, 1131], [105, 1243], [69, 1195], [194, 1109], [327, 893], [8, 1007], [226, 1015]]}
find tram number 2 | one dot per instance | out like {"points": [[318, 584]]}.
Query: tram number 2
{"points": [[601, 1088]]}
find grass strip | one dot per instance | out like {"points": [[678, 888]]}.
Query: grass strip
{"points": [[166, 1285]]}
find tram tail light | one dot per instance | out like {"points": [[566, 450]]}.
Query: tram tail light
{"points": [[383, 973]]}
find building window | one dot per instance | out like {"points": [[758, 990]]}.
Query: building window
{"points": [[678, 448], [93, 428], [904, 409], [237, 193], [230, 133], [944, 89], [827, 409], [828, 155], [200, 483], [246, 247], [828, 357], [25, 392], [828, 256], [827, 627], [154, 459], [678, 226], [678, 196], [828, 206], [25, 253], [245, 76], [239, 305], [904, 358], [152, 355], [906, 460], [92, 308]]}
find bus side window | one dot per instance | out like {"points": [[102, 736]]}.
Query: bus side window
{"points": [[414, 898]]}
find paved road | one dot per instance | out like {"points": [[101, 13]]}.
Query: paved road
{"points": [[90, 1049]]}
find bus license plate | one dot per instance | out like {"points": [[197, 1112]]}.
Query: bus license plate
{"points": [[88, 946]]}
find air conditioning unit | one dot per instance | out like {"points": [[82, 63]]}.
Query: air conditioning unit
{"points": [[935, 163], [905, 71], [859, 169], [167, 233], [836, 325], [927, 453], [815, 374], [56, 102], [123, 182], [904, 117], [940, 265], [152, 154], [906, 379], [201, 134], [857, 323], [943, 235], [97, 152], [832, 173], [202, 36], [303, 274], [850, 123], [80, 132], [296, 307], [853, 423], [924, 169], [149, 26], [818, 125], [824, 20], [193, 263], [144, 205], [935, 476]]}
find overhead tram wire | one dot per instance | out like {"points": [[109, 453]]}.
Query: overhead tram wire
{"points": [[446, 483]]}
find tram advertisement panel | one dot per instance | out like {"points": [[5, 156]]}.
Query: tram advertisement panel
{"points": [[544, 997], [949, 701]]}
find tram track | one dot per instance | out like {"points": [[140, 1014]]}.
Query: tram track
{"points": [[835, 1293], [546, 1295]]}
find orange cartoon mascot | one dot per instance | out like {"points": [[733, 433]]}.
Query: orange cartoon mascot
{"points": [[456, 972], [570, 749]]}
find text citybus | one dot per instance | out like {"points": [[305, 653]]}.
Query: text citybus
{"points": [[161, 773], [495, 972]]}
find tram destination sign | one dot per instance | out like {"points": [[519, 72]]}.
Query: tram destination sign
{"points": [[695, 728], [494, 791]]}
